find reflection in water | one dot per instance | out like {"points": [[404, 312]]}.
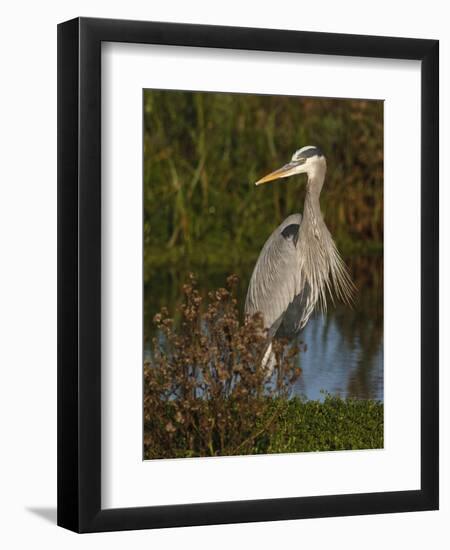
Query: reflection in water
{"points": [[338, 361], [344, 353]]}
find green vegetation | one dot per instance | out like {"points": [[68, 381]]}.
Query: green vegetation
{"points": [[332, 425], [204, 151]]}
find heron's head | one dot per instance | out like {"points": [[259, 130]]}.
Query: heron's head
{"points": [[307, 160]]}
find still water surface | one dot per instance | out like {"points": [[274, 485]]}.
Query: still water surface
{"points": [[344, 348]]}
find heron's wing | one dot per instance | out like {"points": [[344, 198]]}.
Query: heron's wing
{"points": [[276, 281], [296, 315]]}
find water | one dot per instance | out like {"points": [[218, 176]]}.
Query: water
{"points": [[344, 348], [338, 360]]}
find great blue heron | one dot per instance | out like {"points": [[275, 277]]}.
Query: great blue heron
{"points": [[299, 264]]}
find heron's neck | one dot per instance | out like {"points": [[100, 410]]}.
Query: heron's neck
{"points": [[311, 211]]}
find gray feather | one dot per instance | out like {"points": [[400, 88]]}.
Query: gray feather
{"points": [[276, 278]]}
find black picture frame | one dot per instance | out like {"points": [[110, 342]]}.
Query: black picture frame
{"points": [[79, 274]]}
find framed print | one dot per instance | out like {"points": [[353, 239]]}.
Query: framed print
{"points": [[231, 352]]}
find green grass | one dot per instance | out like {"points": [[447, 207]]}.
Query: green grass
{"points": [[332, 425]]}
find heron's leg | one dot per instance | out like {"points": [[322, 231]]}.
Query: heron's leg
{"points": [[269, 361]]}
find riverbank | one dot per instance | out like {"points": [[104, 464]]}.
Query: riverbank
{"points": [[211, 256]]}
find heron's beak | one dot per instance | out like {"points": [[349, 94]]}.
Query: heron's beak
{"points": [[287, 170]]}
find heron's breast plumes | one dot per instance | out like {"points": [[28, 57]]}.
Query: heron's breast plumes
{"points": [[323, 269]]}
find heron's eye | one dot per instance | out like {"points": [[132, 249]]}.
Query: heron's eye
{"points": [[298, 160]]}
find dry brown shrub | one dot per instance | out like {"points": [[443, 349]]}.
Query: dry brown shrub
{"points": [[205, 390]]}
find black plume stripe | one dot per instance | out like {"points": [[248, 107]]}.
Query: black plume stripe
{"points": [[314, 151], [291, 232]]}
